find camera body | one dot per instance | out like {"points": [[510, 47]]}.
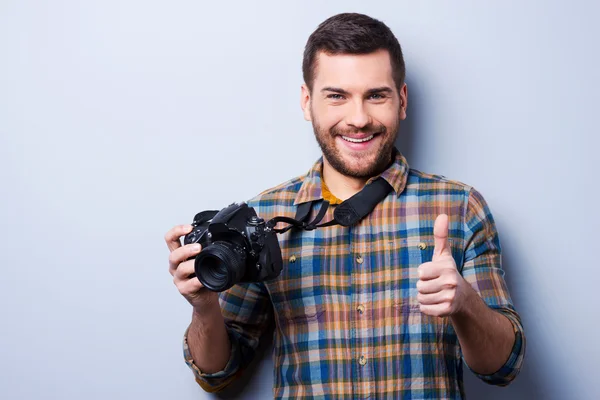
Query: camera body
{"points": [[237, 247]]}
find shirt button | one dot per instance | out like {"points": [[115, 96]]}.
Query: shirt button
{"points": [[359, 259], [362, 360], [422, 246], [292, 258], [360, 309]]}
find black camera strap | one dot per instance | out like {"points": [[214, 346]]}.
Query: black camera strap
{"points": [[348, 213]]}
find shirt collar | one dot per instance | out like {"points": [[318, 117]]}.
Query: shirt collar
{"points": [[396, 175]]}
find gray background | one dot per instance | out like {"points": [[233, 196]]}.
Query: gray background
{"points": [[120, 119]]}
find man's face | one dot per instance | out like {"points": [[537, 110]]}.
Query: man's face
{"points": [[355, 109]]}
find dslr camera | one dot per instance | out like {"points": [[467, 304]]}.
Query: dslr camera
{"points": [[237, 247]]}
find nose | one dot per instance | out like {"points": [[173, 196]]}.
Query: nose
{"points": [[358, 117]]}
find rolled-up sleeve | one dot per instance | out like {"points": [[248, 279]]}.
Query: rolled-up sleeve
{"points": [[247, 311], [482, 268]]}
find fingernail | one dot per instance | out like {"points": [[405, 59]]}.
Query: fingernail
{"points": [[195, 247]]}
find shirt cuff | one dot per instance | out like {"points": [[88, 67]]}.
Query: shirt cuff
{"points": [[216, 381], [511, 368]]}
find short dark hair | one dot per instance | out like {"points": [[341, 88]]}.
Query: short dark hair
{"points": [[352, 33]]}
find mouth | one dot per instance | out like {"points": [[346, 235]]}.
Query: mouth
{"points": [[359, 140]]}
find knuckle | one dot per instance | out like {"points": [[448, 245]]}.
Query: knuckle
{"points": [[193, 248], [196, 285], [419, 286], [176, 281], [446, 309], [175, 232], [174, 259], [451, 281], [183, 270], [432, 311], [184, 289], [171, 233]]}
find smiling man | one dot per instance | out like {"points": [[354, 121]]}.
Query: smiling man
{"points": [[388, 307]]}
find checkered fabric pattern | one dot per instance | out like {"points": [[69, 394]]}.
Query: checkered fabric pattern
{"points": [[347, 320]]}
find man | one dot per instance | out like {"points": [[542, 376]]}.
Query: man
{"points": [[388, 307]]}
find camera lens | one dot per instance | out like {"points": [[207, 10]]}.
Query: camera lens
{"points": [[219, 266]]}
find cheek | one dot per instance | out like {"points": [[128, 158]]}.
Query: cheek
{"points": [[327, 117], [385, 114]]}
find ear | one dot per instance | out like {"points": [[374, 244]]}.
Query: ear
{"points": [[305, 102], [403, 101]]}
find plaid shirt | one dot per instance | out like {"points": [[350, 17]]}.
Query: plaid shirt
{"points": [[347, 320]]}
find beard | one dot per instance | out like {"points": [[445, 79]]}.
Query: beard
{"points": [[369, 163]]}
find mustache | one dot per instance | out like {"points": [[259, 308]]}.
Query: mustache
{"points": [[367, 130]]}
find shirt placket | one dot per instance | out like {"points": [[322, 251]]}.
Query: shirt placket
{"points": [[362, 313]]}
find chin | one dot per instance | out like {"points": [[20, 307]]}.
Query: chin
{"points": [[358, 168], [360, 160]]}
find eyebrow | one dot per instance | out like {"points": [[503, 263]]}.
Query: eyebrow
{"points": [[334, 89], [382, 89]]}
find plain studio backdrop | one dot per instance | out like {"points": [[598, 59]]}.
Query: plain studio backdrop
{"points": [[120, 119]]}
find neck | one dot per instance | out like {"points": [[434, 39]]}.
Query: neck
{"points": [[341, 186]]}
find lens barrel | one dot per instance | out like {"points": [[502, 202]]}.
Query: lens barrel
{"points": [[219, 266]]}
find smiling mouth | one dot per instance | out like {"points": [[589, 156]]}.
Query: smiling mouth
{"points": [[356, 140]]}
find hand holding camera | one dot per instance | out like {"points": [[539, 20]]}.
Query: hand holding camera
{"points": [[182, 270]]}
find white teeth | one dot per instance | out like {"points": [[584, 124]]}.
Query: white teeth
{"points": [[357, 140]]}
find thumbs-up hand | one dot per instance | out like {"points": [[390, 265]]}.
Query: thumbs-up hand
{"points": [[441, 289]]}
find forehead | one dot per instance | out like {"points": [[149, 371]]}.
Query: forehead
{"points": [[353, 71]]}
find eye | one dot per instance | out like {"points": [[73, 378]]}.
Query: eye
{"points": [[376, 96], [335, 96]]}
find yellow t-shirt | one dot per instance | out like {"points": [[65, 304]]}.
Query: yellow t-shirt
{"points": [[327, 195]]}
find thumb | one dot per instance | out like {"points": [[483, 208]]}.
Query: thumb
{"points": [[440, 233]]}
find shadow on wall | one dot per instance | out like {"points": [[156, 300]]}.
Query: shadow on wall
{"points": [[527, 385]]}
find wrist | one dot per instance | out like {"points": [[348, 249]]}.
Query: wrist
{"points": [[207, 319], [207, 307], [470, 300]]}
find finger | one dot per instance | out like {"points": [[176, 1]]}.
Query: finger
{"points": [[185, 271], [173, 235], [435, 285], [444, 296], [190, 287], [427, 287], [428, 271], [178, 256], [440, 234], [436, 310]]}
